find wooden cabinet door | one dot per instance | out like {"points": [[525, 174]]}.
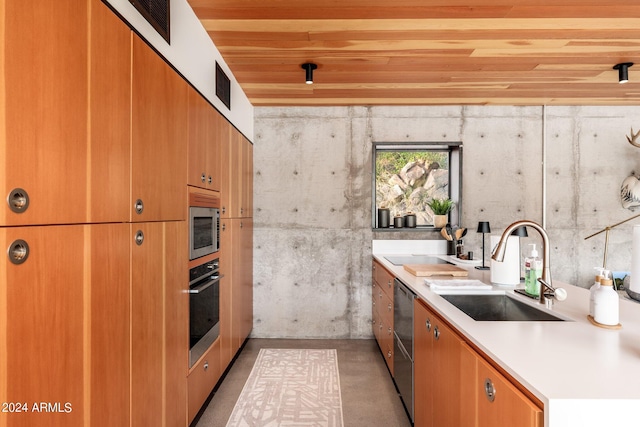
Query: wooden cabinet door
{"points": [[204, 150], [64, 112], [159, 138], [159, 340], [224, 135], [423, 323], [203, 378], [226, 316], [197, 148], [445, 371], [246, 282], [509, 406], [246, 207], [109, 117], [437, 361], [64, 324]]}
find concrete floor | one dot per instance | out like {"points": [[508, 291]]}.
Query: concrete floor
{"points": [[369, 397]]}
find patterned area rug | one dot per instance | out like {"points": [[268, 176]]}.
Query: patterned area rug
{"points": [[291, 388]]}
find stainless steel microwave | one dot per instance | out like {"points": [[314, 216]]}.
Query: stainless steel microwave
{"points": [[204, 231]]}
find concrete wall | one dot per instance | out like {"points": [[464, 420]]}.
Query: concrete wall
{"points": [[313, 193]]}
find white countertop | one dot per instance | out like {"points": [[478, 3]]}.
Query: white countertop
{"points": [[584, 375]]}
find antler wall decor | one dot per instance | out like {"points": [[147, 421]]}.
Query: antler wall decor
{"points": [[633, 138]]}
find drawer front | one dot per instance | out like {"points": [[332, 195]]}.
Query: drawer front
{"points": [[384, 279]]}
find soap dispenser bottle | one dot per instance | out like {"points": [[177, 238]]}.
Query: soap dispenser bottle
{"points": [[532, 272], [606, 310], [594, 288]]}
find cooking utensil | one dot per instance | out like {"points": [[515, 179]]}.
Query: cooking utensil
{"points": [[458, 233], [448, 228], [464, 232], [444, 234]]}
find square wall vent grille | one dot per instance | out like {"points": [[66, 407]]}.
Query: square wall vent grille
{"points": [[223, 86], [156, 12]]}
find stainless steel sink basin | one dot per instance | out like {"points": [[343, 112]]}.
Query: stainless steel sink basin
{"points": [[498, 308]]}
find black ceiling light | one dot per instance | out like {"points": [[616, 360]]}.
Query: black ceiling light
{"points": [[309, 67], [623, 71]]}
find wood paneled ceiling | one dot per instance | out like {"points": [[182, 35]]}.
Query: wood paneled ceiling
{"points": [[428, 52]]}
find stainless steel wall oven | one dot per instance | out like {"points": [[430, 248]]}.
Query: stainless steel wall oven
{"points": [[204, 308]]}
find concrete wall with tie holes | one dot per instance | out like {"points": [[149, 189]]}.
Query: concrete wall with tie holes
{"points": [[312, 218]]}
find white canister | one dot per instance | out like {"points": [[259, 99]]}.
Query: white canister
{"points": [[506, 272]]}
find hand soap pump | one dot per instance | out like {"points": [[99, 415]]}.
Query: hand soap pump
{"points": [[594, 288], [532, 272], [606, 302]]}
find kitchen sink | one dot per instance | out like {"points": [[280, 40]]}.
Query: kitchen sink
{"points": [[498, 308]]}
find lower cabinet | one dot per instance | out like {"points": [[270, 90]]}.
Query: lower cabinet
{"points": [[65, 325], [159, 324], [203, 377], [457, 386], [497, 400], [382, 312], [437, 379]]}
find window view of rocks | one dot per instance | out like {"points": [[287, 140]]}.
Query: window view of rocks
{"points": [[407, 180]]}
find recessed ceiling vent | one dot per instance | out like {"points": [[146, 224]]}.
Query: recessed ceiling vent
{"points": [[156, 12]]}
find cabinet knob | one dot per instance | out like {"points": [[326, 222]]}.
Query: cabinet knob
{"points": [[139, 206], [389, 354], [18, 200], [139, 237], [374, 266], [374, 303], [389, 307], [210, 180], [224, 226], [224, 209], [203, 177], [240, 224], [390, 331], [427, 323], [18, 252], [389, 283], [436, 333], [489, 390], [206, 365], [373, 322]]}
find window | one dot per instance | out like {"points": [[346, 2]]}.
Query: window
{"points": [[406, 176]]}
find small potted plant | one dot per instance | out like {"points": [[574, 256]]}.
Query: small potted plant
{"points": [[441, 209]]}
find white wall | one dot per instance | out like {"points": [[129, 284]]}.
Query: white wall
{"points": [[193, 54]]}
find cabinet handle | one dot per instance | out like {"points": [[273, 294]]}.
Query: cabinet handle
{"points": [[436, 333], [427, 323], [206, 365], [241, 211], [390, 331], [18, 200], [389, 354], [240, 224], [224, 226], [18, 252], [224, 209], [373, 322], [389, 283], [203, 177], [139, 237], [139, 206], [210, 180], [489, 390], [374, 267], [389, 307]]}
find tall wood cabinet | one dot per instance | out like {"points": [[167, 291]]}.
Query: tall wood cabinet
{"points": [[158, 139], [96, 160], [64, 317], [65, 113], [206, 136]]}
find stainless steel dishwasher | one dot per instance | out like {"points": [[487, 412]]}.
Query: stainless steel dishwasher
{"points": [[403, 342]]}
